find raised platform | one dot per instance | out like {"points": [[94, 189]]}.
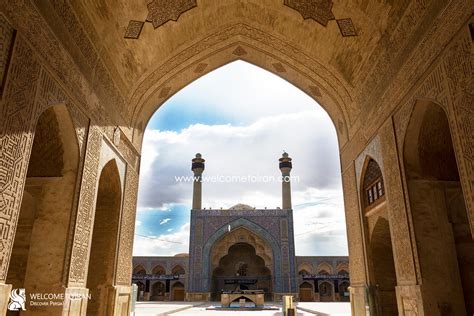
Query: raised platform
{"points": [[256, 296]]}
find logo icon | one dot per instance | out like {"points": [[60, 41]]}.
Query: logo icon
{"points": [[17, 300]]}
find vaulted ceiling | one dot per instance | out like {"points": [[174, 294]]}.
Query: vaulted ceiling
{"points": [[362, 43]]}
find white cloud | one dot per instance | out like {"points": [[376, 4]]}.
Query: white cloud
{"points": [[254, 95], [249, 150], [163, 245], [164, 221], [254, 149]]}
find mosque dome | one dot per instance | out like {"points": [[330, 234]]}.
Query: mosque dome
{"points": [[241, 207]]}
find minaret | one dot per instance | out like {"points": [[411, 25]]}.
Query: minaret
{"points": [[197, 167], [285, 167]]}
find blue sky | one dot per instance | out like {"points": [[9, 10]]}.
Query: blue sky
{"points": [[240, 118]]}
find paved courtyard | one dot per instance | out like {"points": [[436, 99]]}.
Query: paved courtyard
{"points": [[199, 308]]}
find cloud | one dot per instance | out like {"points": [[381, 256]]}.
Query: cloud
{"points": [[164, 221], [319, 224], [250, 150], [164, 244], [238, 93]]}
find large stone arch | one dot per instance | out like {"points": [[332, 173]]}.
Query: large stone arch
{"points": [[256, 229], [438, 205], [238, 235], [101, 275], [40, 252], [250, 44]]}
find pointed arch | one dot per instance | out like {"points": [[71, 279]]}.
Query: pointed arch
{"points": [[372, 186], [324, 268], [154, 88], [158, 270], [326, 291], [256, 229], [438, 208], [48, 205], [178, 270], [139, 270], [305, 267], [103, 253]]}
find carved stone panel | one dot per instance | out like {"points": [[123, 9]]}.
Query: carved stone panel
{"points": [[85, 214], [318, 10], [127, 229], [7, 37], [162, 11], [17, 113]]}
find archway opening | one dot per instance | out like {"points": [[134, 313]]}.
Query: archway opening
{"points": [[442, 233], [178, 292], [39, 254], [241, 269], [306, 292], [344, 291], [382, 267], [326, 291], [102, 262], [158, 291], [380, 260], [222, 136], [140, 290]]}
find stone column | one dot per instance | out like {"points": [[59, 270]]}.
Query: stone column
{"points": [[197, 167], [285, 167]]}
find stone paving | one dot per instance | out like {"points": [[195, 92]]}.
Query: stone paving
{"points": [[199, 308]]}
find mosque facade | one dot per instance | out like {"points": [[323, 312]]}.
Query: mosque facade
{"points": [[242, 248]]}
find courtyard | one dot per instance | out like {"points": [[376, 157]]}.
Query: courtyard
{"points": [[200, 308]]}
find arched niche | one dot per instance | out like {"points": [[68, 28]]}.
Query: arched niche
{"points": [[442, 234], [239, 263], [39, 258], [382, 268], [326, 291], [253, 228], [344, 291], [379, 251], [158, 270], [178, 291], [305, 268], [139, 270], [178, 270], [158, 291], [103, 254], [306, 292], [324, 268]]}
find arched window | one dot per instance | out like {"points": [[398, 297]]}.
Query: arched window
{"points": [[373, 186]]}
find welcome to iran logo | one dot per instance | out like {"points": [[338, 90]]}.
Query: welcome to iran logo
{"points": [[17, 300]]}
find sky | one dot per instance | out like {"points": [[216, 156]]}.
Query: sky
{"points": [[240, 118]]}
